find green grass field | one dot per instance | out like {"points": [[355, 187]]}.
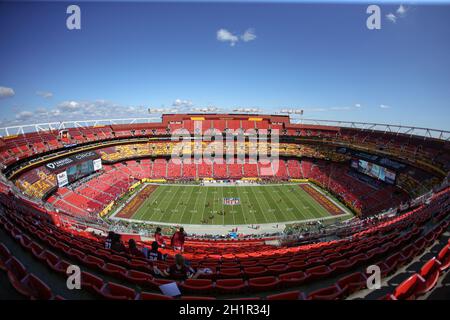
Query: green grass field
{"points": [[258, 204]]}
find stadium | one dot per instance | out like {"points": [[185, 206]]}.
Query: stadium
{"points": [[220, 158], [306, 222]]}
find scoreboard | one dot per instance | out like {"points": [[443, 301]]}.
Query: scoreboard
{"points": [[75, 167]]}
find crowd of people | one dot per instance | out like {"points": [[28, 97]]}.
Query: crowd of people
{"points": [[114, 242], [180, 269]]}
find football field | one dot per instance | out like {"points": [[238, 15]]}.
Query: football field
{"points": [[229, 205]]}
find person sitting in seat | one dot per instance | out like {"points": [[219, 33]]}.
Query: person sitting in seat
{"points": [[109, 240], [180, 270], [154, 254], [117, 244], [133, 249]]}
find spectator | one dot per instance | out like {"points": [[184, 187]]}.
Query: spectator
{"points": [[177, 241], [117, 244], [109, 240], [159, 238], [133, 249], [180, 270], [154, 254]]}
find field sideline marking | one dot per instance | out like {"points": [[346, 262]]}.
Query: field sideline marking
{"points": [[340, 206]]}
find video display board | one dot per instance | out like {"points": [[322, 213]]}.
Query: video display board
{"points": [[75, 167], [374, 170]]}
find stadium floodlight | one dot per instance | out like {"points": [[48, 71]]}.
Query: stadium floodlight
{"points": [[292, 111]]}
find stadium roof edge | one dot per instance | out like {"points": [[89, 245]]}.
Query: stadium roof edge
{"points": [[365, 126]]}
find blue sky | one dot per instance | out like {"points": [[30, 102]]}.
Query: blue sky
{"points": [[317, 57]]}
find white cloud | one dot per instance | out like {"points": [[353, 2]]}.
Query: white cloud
{"points": [[44, 94], [77, 110], [163, 110], [383, 106], [69, 106], [391, 17], [205, 109], [401, 11], [357, 105], [41, 111], [226, 36], [249, 35], [24, 115], [182, 103], [6, 92]]}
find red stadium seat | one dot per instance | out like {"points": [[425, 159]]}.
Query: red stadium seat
{"points": [[119, 260], [420, 244], [408, 289], [319, 272], [197, 285], [46, 254], [444, 257], [138, 265], [152, 296], [276, 269], [353, 282], [263, 283], [358, 259], [328, 293], [390, 264], [35, 249], [229, 273], [430, 273], [197, 298], [291, 295], [76, 254], [60, 266], [257, 271], [93, 262], [341, 266], [407, 254], [295, 278], [114, 291], [16, 273], [4, 256], [114, 270], [91, 283], [230, 285], [297, 265], [249, 263], [25, 241], [139, 278], [36, 288]]}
